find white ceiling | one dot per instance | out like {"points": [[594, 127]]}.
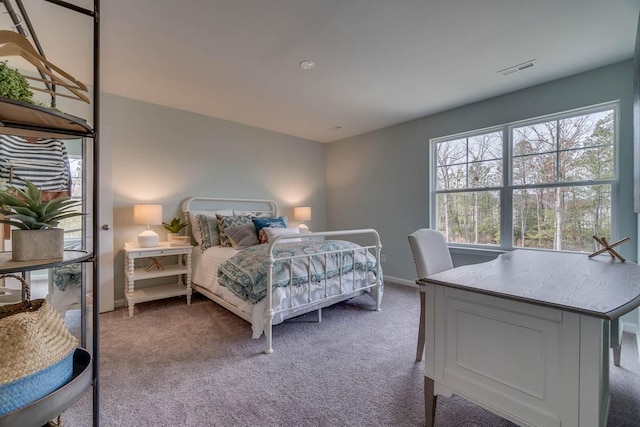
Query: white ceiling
{"points": [[378, 62]]}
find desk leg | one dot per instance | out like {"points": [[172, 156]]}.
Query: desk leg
{"points": [[420, 349], [615, 337], [616, 355], [430, 402]]}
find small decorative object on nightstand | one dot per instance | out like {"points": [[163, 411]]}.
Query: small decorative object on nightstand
{"points": [[182, 269]]}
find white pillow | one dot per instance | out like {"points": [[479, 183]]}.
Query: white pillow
{"points": [[195, 227], [273, 232]]}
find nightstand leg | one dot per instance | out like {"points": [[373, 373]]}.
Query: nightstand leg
{"points": [[188, 278], [130, 287]]}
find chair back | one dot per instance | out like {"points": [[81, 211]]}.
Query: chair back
{"points": [[430, 252]]}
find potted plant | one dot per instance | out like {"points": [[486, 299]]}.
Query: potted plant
{"points": [[37, 236], [13, 85], [174, 227]]}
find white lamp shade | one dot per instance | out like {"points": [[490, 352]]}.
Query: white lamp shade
{"points": [[302, 213], [147, 214]]}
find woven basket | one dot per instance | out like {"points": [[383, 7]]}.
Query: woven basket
{"points": [[36, 351]]}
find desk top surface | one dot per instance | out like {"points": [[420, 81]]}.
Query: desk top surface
{"points": [[598, 287]]}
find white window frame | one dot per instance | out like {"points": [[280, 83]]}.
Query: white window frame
{"points": [[507, 189]]}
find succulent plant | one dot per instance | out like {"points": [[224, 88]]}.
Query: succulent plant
{"points": [[26, 210], [175, 225]]}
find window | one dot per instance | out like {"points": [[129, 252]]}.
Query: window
{"points": [[73, 226], [545, 183]]}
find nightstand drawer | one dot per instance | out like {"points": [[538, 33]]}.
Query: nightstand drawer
{"points": [[156, 252]]}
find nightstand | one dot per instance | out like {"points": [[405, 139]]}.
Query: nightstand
{"points": [[156, 269]]}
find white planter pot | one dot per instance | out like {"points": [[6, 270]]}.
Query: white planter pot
{"points": [[175, 239], [34, 245]]}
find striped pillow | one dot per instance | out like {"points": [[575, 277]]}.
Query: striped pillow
{"points": [[230, 221]]}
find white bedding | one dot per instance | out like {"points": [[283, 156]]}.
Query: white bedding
{"points": [[205, 275], [205, 266]]}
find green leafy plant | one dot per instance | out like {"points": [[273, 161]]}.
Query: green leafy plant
{"points": [[175, 225], [26, 210], [13, 85]]}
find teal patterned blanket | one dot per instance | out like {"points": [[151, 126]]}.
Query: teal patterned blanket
{"points": [[245, 273]]}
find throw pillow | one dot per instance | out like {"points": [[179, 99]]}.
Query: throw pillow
{"points": [[195, 225], [225, 222], [271, 233], [207, 227], [242, 236], [260, 223]]}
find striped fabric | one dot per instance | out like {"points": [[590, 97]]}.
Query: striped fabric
{"points": [[44, 162]]}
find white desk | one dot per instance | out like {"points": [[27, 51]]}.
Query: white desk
{"points": [[526, 336]]}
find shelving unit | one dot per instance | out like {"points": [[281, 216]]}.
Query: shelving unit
{"points": [[24, 119], [7, 265], [29, 120]]}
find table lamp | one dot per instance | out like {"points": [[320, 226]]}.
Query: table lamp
{"points": [[302, 214], [147, 215]]}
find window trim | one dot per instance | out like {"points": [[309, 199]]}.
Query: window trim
{"points": [[507, 189]]}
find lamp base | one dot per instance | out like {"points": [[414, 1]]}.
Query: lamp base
{"points": [[148, 239], [303, 228]]}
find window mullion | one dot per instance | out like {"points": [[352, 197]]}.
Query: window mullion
{"points": [[433, 217], [557, 141], [467, 162], [506, 193]]}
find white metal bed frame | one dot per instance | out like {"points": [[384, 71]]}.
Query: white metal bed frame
{"points": [[373, 244]]}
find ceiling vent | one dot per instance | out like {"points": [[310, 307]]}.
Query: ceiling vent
{"points": [[517, 68]]}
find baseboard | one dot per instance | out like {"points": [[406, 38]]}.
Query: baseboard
{"points": [[400, 281], [119, 303], [632, 328]]}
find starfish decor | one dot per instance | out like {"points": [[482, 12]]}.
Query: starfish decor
{"points": [[608, 247]]}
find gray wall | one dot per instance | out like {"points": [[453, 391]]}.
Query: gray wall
{"points": [[378, 180], [162, 155], [381, 179]]}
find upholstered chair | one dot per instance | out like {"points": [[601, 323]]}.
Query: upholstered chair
{"points": [[431, 256]]}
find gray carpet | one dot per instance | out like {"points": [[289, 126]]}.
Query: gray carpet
{"points": [[173, 365]]}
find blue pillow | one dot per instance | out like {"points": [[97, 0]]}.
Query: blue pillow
{"points": [[260, 223]]}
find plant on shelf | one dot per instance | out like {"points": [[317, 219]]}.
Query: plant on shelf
{"points": [[37, 236], [175, 226], [26, 210], [13, 85]]}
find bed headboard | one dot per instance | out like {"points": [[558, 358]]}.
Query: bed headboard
{"points": [[259, 207], [198, 203]]}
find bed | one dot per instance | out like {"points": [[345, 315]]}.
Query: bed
{"points": [[285, 275]]}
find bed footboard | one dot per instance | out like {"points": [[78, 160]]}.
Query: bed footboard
{"points": [[372, 247]]}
